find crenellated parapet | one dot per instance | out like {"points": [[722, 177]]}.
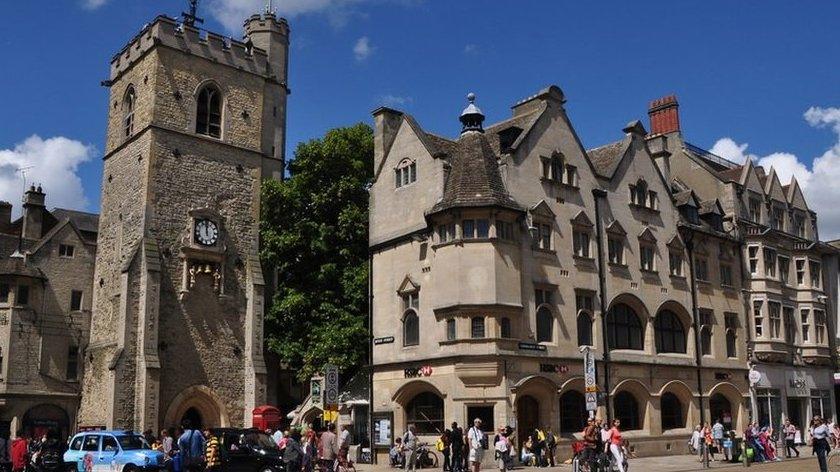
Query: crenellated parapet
{"points": [[168, 32]]}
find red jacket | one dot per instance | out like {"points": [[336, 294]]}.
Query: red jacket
{"points": [[19, 451]]}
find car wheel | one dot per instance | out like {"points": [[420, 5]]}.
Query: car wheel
{"points": [[130, 468]]}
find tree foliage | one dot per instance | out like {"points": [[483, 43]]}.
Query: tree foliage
{"points": [[314, 229]]}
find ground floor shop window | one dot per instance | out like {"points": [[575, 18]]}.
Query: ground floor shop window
{"points": [[484, 413], [425, 411], [769, 407], [821, 403], [573, 412], [671, 411], [627, 411]]}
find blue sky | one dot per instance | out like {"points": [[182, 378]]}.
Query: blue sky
{"points": [[743, 70]]}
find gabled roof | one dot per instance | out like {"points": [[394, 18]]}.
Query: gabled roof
{"points": [[647, 235], [408, 285], [525, 122], [772, 182], [474, 179], [581, 219], [616, 228], [542, 208], [794, 192], [711, 206], [53, 231], [685, 197], [676, 242], [731, 175], [605, 159]]}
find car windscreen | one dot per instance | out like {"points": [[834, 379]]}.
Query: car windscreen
{"points": [[133, 442], [260, 440]]}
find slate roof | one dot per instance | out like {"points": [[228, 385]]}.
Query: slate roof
{"points": [[605, 159], [731, 175], [474, 179], [87, 222]]}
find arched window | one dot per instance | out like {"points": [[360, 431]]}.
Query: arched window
{"points": [[584, 329], [638, 193], [425, 411], [505, 327], [731, 343], [573, 414], [670, 334], [624, 329], [405, 172], [477, 327], [671, 411], [129, 102], [627, 411], [208, 117], [545, 325], [411, 328], [706, 341]]}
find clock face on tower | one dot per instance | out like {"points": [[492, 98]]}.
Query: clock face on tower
{"points": [[206, 232]]}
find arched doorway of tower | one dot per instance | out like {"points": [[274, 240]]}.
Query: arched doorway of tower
{"points": [[421, 404], [536, 405], [198, 405], [527, 417], [41, 418], [725, 403]]}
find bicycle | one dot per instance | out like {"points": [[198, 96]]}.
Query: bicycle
{"points": [[425, 457]]}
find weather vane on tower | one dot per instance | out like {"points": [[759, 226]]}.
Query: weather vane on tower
{"points": [[190, 19]]}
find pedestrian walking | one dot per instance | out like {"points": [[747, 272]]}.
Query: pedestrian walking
{"points": [[293, 454], [717, 437], [457, 447], [211, 452], [191, 445], [19, 452], [328, 447], [615, 443], [790, 439], [344, 443], [477, 442], [819, 441], [444, 442], [502, 448], [410, 447], [550, 445]]}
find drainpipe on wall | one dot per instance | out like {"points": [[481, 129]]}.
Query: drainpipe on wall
{"points": [[602, 288], [370, 358], [688, 237]]}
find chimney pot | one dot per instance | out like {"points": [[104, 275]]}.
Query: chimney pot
{"points": [[664, 115]]}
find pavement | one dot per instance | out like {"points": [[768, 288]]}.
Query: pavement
{"points": [[676, 463]]}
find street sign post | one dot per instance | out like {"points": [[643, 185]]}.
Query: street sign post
{"points": [[590, 384], [331, 387]]}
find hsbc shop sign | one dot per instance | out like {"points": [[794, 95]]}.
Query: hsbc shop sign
{"points": [[422, 371]]}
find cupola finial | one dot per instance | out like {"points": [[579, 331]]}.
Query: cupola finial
{"points": [[471, 118]]}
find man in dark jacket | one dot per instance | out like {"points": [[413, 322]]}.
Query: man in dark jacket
{"points": [[457, 445], [293, 453]]}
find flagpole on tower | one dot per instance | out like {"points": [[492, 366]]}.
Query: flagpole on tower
{"points": [[190, 19]]}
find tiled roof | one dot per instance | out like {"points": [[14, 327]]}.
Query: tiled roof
{"points": [[474, 179], [605, 159]]}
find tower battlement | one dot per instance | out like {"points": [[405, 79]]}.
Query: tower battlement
{"points": [[168, 32]]}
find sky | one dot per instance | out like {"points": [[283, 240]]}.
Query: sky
{"points": [[755, 79]]}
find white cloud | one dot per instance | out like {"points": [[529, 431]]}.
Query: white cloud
{"points": [[362, 49], [389, 100], [819, 182], [54, 165], [93, 4], [232, 13]]}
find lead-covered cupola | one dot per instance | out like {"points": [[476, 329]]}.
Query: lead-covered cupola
{"points": [[472, 119]]}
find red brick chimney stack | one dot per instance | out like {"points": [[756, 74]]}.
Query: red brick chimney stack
{"points": [[664, 115]]}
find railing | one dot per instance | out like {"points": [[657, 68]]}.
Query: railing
{"points": [[721, 161]]}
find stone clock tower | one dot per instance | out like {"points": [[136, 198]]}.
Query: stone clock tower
{"points": [[196, 121]]}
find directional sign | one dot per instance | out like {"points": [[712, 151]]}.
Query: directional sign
{"points": [[331, 385], [591, 401], [589, 380]]}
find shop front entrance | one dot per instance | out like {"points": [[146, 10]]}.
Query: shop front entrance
{"points": [[796, 411], [527, 417]]}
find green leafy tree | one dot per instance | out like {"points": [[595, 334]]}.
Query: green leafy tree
{"points": [[314, 228]]}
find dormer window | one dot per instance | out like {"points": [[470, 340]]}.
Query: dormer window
{"points": [[208, 117], [754, 210], [556, 169], [642, 197], [778, 221], [799, 225], [405, 173], [582, 236], [690, 214]]}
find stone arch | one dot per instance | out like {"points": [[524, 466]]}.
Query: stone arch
{"points": [[735, 398], [678, 309], [636, 305], [574, 383], [642, 396], [406, 392], [46, 416], [633, 302], [686, 398], [536, 404], [201, 398]]}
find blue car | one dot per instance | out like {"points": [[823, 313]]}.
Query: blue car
{"points": [[111, 451]]}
